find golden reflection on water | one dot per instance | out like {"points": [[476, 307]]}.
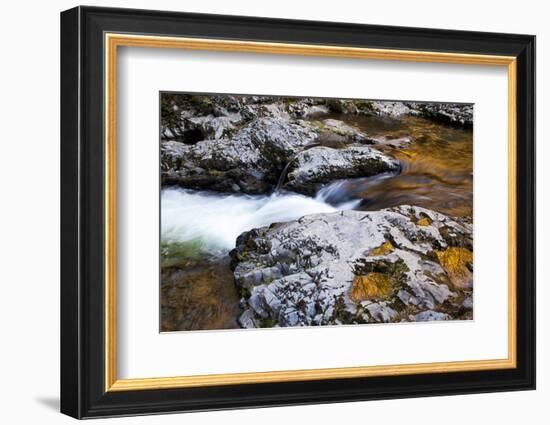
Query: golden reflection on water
{"points": [[437, 166], [198, 295]]}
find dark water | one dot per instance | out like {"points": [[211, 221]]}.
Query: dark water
{"points": [[197, 287], [199, 295], [436, 166]]}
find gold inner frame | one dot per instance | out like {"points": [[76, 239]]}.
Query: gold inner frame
{"points": [[113, 41]]}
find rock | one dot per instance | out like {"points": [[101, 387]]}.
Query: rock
{"points": [[172, 155], [396, 142], [306, 107], [177, 108], [351, 267], [468, 303], [335, 133], [271, 110], [250, 161], [372, 286], [380, 312], [351, 106], [446, 113], [458, 263], [393, 109], [210, 127], [430, 315], [247, 320], [313, 167]]}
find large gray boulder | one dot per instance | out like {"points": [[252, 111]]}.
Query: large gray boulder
{"points": [[249, 162], [398, 264], [319, 165], [253, 158]]}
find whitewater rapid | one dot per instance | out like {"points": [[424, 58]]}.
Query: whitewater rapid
{"points": [[214, 221]]}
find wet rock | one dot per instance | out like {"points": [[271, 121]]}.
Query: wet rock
{"points": [[271, 110], [429, 315], [350, 267], [306, 107], [313, 167], [210, 127], [393, 109], [335, 133], [453, 114], [446, 113], [395, 142], [249, 162], [251, 159], [352, 106]]}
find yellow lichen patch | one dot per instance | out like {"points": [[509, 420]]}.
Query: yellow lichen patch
{"points": [[383, 249], [424, 221], [377, 286], [455, 262]]}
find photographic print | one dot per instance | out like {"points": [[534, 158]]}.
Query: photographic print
{"points": [[292, 211]]}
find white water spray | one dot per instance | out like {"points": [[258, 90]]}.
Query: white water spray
{"points": [[215, 220]]}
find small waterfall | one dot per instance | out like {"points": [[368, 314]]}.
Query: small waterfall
{"points": [[333, 192], [282, 177], [339, 195]]}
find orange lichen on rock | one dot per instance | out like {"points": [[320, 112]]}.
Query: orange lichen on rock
{"points": [[383, 249], [371, 286], [455, 262], [424, 221]]}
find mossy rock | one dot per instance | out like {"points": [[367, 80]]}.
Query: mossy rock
{"points": [[372, 286], [392, 268], [424, 221], [383, 249], [457, 263]]}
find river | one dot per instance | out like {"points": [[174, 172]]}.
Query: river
{"points": [[198, 228]]}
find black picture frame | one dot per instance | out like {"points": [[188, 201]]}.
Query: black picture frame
{"points": [[83, 392]]}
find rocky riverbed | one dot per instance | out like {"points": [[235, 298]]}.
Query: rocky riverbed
{"points": [[296, 212]]}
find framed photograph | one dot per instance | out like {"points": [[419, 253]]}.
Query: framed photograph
{"points": [[261, 212]]}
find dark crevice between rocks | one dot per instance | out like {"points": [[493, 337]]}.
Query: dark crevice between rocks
{"points": [[191, 136]]}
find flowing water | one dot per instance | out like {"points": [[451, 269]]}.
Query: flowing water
{"points": [[198, 229], [437, 166]]}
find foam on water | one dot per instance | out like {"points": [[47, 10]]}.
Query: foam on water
{"points": [[216, 220]]}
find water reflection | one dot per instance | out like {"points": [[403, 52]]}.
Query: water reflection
{"points": [[436, 170]]}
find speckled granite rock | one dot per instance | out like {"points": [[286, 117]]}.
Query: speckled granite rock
{"points": [[354, 267]]}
